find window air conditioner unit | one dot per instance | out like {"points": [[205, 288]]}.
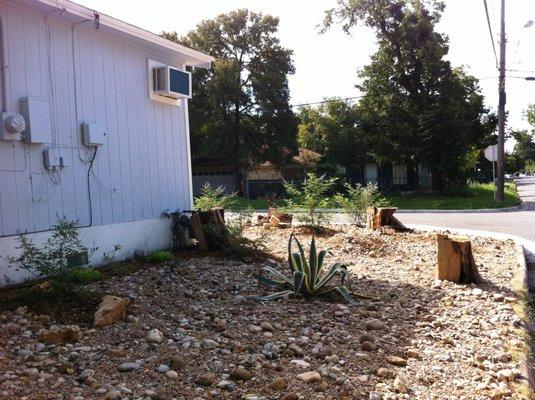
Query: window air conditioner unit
{"points": [[171, 82]]}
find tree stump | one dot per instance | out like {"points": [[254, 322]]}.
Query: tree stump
{"points": [[281, 216], [215, 229], [378, 217], [455, 260], [198, 231]]}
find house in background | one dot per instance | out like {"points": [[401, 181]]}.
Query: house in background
{"points": [[261, 180], [394, 178], [94, 129]]}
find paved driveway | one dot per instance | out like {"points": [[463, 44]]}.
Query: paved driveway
{"points": [[520, 223]]}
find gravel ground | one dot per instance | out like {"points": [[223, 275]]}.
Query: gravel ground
{"points": [[417, 339]]}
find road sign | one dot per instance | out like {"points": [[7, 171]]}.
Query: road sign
{"points": [[491, 152]]}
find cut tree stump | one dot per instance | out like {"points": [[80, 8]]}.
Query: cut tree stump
{"points": [[198, 231], [217, 230], [378, 217], [455, 260], [281, 216]]}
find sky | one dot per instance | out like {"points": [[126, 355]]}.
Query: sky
{"points": [[327, 64]]}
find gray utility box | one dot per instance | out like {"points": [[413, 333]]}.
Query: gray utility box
{"points": [[36, 113]]}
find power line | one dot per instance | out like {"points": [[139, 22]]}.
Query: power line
{"points": [[327, 101], [521, 70], [490, 32]]}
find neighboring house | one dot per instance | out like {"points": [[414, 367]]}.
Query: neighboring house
{"points": [[260, 180], [215, 173], [393, 177], [106, 136]]}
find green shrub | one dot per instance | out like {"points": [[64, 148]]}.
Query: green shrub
{"points": [[50, 260], [309, 275], [310, 198], [214, 198], [84, 275], [159, 256], [357, 200]]}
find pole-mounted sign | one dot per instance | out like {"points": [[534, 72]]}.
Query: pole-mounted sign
{"points": [[491, 154]]}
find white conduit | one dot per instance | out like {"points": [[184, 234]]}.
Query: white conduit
{"points": [[3, 63]]}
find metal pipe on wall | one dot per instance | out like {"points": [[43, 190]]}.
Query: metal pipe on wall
{"points": [[3, 63]]}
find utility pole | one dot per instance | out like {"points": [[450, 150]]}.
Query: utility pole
{"points": [[501, 112]]}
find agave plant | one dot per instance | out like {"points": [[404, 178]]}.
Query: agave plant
{"points": [[309, 276]]}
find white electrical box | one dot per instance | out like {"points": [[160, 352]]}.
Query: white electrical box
{"points": [[36, 112], [12, 126], [93, 134]]}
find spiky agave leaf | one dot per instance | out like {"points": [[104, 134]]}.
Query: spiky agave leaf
{"points": [[273, 296], [296, 262], [344, 292], [281, 278], [305, 266], [330, 273], [299, 277], [313, 263]]}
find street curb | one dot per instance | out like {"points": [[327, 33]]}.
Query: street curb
{"points": [[463, 211], [417, 211]]}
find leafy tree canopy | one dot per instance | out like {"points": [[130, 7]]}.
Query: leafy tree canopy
{"points": [[416, 108], [334, 130], [240, 109]]}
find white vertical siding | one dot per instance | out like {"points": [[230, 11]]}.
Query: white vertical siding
{"points": [[87, 76]]}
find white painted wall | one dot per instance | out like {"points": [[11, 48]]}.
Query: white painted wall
{"points": [[87, 76], [142, 237]]}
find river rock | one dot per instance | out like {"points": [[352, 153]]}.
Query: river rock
{"points": [[154, 336], [241, 374]]}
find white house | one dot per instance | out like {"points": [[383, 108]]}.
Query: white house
{"points": [[85, 134]]}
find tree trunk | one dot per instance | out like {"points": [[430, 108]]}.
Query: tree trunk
{"points": [[455, 260], [437, 181], [377, 217]]}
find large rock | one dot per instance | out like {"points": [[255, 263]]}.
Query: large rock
{"points": [[111, 310], [61, 335], [309, 377]]}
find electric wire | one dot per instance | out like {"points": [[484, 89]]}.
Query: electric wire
{"points": [[490, 32]]}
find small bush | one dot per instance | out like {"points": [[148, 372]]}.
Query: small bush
{"points": [[159, 256], [84, 275], [310, 197], [357, 200], [51, 259], [214, 198], [309, 275]]}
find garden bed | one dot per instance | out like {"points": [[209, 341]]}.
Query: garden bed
{"points": [[416, 338]]}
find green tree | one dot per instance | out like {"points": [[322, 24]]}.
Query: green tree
{"points": [[416, 108], [524, 149], [530, 115], [240, 110], [333, 129]]}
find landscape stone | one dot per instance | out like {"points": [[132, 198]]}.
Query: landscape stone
{"points": [[110, 310]]}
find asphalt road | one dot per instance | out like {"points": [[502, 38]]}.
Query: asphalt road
{"points": [[520, 223]]}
